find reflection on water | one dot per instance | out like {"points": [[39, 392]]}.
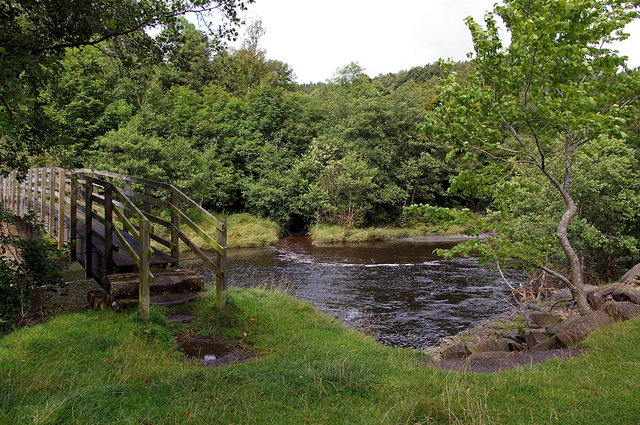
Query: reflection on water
{"points": [[399, 291]]}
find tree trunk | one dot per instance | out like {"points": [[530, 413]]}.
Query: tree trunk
{"points": [[576, 280]]}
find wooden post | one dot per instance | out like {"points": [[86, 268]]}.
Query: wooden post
{"points": [[73, 218], [175, 226], [221, 281], [108, 228], [127, 190], [12, 204], [20, 197], [43, 191], [88, 230], [52, 202], [145, 278], [29, 189], [147, 204], [61, 209]]}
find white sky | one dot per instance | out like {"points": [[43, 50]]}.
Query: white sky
{"points": [[317, 37]]}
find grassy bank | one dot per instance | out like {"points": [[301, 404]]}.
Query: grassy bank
{"points": [[244, 231], [103, 367], [332, 234]]}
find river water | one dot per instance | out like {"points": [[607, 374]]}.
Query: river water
{"points": [[398, 291]]}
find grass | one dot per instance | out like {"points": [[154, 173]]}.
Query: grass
{"points": [[112, 368], [244, 231], [332, 234]]}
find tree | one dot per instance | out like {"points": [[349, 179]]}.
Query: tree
{"points": [[542, 99], [34, 36]]}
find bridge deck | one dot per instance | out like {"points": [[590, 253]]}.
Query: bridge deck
{"points": [[122, 261]]}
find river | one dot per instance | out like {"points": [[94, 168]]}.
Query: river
{"points": [[399, 291]]}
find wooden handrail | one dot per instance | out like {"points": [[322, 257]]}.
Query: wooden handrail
{"points": [[56, 193]]}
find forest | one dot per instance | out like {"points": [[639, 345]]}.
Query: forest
{"points": [[232, 128]]}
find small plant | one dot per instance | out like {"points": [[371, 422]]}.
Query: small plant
{"points": [[27, 260]]}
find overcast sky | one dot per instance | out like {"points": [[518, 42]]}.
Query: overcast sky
{"points": [[317, 37]]}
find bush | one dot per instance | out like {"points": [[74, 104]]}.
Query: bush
{"points": [[27, 260], [426, 214]]}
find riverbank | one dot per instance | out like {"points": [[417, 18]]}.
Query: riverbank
{"points": [[248, 231], [325, 233], [244, 231], [105, 367]]}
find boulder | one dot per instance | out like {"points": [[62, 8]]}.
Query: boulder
{"points": [[632, 277], [488, 344], [622, 310], [617, 291], [543, 320], [533, 337], [456, 351], [550, 343], [575, 329], [492, 355], [512, 344]]}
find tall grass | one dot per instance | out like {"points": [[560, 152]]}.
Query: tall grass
{"points": [[333, 234]]}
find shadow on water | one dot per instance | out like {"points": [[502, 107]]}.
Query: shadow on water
{"points": [[398, 291]]}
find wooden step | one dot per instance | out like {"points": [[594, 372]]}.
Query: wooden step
{"points": [[125, 285], [168, 300], [122, 261]]}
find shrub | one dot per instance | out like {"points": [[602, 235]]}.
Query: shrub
{"points": [[426, 214], [27, 260]]}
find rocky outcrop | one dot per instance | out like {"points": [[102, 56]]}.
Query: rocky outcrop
{"points": [[632, 277], [535, 328]]}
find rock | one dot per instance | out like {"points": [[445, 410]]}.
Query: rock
{"points": [[516, 336], [491, 355], [530, 305], [622, 310], [632, 277], [543, 320], [456, 351], [98, 300], [550, 343], [491, 361], [575, 329], [617, 291], [533, 337], [512, 344], [488, 344]]}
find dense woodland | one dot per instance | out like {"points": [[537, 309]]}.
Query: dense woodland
{"points": [[235, 131], [543, 131]]}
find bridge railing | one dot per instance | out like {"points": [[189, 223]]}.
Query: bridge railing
{"points": [[150, 211], [42, 192]]}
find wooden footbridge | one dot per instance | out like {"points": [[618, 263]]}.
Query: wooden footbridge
{"points": [[117, 225]]}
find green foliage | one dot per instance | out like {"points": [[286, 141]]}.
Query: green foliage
{"points": [[432, 214], [529, 117], [34, 39], [346, 189], [27, 260]]}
